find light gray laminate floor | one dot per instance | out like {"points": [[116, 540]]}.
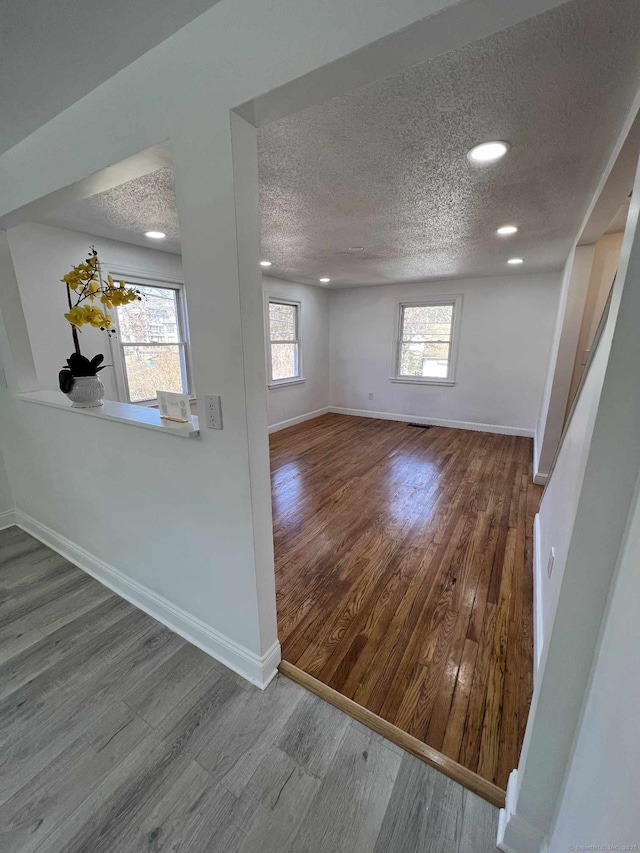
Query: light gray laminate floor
{"points": [[116, 735]]}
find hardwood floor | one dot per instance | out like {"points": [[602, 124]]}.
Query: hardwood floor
{"points": [[119, 737], [404, 577]]}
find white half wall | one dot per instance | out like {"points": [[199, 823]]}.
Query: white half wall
{"points": [[291, 404], [505, 336], [598, 462], [41, 256], [560, 501], [169, 523], [601, 816]]}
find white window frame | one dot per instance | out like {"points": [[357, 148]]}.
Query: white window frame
{"points": [[456, 302], [138, 278], [280, 300]]}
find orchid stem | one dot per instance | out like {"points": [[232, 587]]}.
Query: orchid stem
{"points": [[74, 331]]}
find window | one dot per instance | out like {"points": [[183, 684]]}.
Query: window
{"points": [[284, 354], [426, 339], [152, 343]]}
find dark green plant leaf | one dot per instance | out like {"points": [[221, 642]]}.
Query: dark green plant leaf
{"points": [[65, 380]]}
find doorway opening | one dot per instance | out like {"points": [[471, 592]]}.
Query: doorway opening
{"points": [[404, 284]]}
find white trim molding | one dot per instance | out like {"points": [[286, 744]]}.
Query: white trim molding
{"points": [[259, 670], [419, 419], [144, 278], [269, 298], [407, 380], [119, 271], [7, 519], [455, 300], [538, 620], [111, 410], [515, 834], [284, 383], [308, 416]]}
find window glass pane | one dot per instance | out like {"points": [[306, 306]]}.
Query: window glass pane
{"points": [[422, 359], [284, 361], [282, 322], [153, 319], [427, 322], [152, 369]]}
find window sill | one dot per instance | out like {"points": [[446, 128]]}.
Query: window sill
{"points": [[125, 413], [283, 383], [407, 381]]}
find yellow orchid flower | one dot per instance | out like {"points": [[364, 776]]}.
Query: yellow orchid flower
{"points": [[76, 317], [86, 280]]}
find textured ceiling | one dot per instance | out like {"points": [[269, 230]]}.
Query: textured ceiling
{"points": [[384, 167], [52, 52], [126, 212]]}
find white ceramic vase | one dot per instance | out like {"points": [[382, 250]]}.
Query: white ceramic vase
{"points": [[86, 393]]}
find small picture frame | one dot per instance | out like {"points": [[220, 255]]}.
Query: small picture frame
{"points": [[174, 407]]}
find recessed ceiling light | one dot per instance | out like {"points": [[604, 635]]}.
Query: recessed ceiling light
{"points": [[487, 152], [507, 229], [325, 280], [356, 248], [266, 264], [515, 261], [155, 235]]}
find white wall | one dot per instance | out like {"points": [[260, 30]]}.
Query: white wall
{"points": [[597, 806], [505, 335], [348, 341], [287, 404], [599, 463], [41, 256]]}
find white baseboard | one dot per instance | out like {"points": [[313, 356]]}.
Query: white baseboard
{"points": [[7, 519], [419, 419], [515, 834], [308, 416], [259, 670], [540, 479], [538, 621]]}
